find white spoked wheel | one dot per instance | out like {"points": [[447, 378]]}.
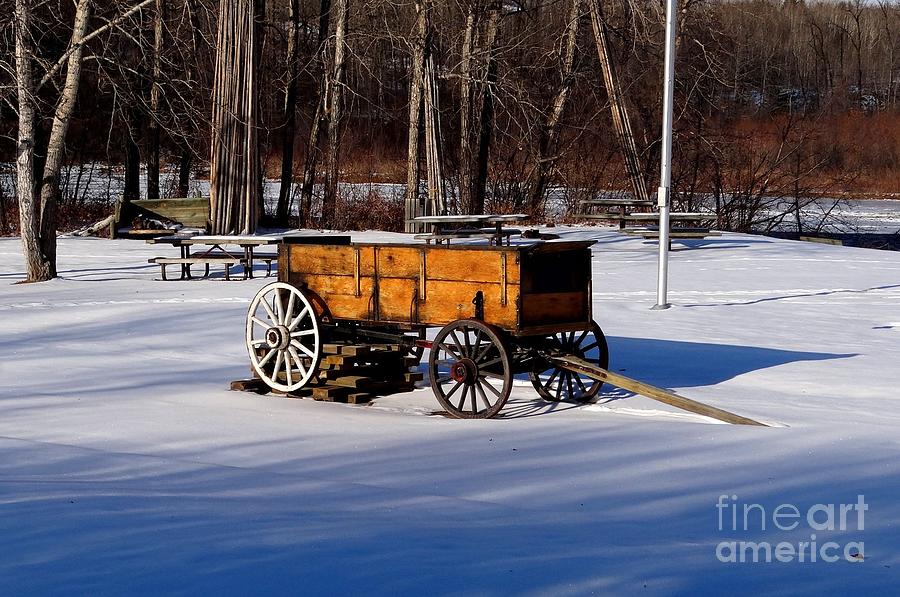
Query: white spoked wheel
{"points": [[283, 337]]}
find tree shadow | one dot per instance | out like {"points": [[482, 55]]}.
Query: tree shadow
{"points": [[677, 364], [796, 295], [547, 509]]}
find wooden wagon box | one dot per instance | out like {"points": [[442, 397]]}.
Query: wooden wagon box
{"points": [[527, 290]]}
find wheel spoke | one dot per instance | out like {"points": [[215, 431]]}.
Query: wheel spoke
{"points": [[449, 351], [289, 312], [594, 344], [298, 361], [277, 368], [487, 403], [259, 321], [552, 377], [296, 320], [462, 401], [491, 374], [287, 368], [258, 343], [455, 339], [489, 363], [476, 347], [581, 337], [302, 333], [268, 357], [304, 349], [279, 307], [569, 385], [474, 399], [580, 383], [453, 391], [491, 387], [272, 317]]}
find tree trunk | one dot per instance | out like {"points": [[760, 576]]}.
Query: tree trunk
{"points": [[436, 204], [334, 107], [476, 104], [486, 117], [153, 157], [549, 133], [234, 166], [620, 118], [416, 81], [289, 116], [319, 119], [37, 265], [57, 144], [132, 189], [466, 108], [184, 172]]}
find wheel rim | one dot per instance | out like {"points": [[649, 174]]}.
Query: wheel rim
{"points": [[557, 384], [283, 337], [470, 370]]}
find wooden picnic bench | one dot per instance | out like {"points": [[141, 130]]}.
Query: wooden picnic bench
{"points": [[622, 206], [215, 251], [190, 212], [490, 227], [186, 262], [682, 219]]}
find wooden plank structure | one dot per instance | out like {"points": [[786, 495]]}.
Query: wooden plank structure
{"points": [[644, 389], [351, 373], [192, 212]]}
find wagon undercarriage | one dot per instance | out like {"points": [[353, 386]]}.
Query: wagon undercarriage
{"points": [[471, 364]]}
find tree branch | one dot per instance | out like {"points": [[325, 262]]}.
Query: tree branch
{"points": [[65, 57]]}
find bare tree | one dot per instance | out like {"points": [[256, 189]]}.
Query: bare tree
{"points": [[334, 105], [420, 50], [37, 208], [153, 157], [548, 137], [620, 117], [320, 117], [289, 114], [235, 178]]}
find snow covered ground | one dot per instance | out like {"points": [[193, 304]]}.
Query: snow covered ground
{"points": [[128, 467]]}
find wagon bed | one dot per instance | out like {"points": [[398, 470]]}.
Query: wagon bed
{"points": [[525, 290]]}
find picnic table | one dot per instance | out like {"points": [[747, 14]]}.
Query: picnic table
{"points": [[227, 250], [489, 226]]}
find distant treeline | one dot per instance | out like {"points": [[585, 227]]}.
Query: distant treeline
{"points": [[773, 99]]}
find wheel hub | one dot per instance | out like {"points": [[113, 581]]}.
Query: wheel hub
{"points": [[464, 370], [278, 337]]}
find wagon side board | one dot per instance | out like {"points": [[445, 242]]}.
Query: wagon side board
{"points": [[434, 285]]}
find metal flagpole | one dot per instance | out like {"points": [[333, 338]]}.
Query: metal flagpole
{"points": [[665, 181]]}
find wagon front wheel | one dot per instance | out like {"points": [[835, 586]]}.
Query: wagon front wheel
{"points": [[557, 384], [283, 336], [470, 370]]}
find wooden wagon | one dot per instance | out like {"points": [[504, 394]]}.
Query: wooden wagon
{"points": [[501, 310]]}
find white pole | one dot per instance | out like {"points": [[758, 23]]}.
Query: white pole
{"points": [[665, 181]]}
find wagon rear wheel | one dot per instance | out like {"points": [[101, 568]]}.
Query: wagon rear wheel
{"points": [[283, 336], [470, 370], [556, 384]]}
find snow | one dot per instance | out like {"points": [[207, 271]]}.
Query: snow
{"points": [[128, 466]]}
